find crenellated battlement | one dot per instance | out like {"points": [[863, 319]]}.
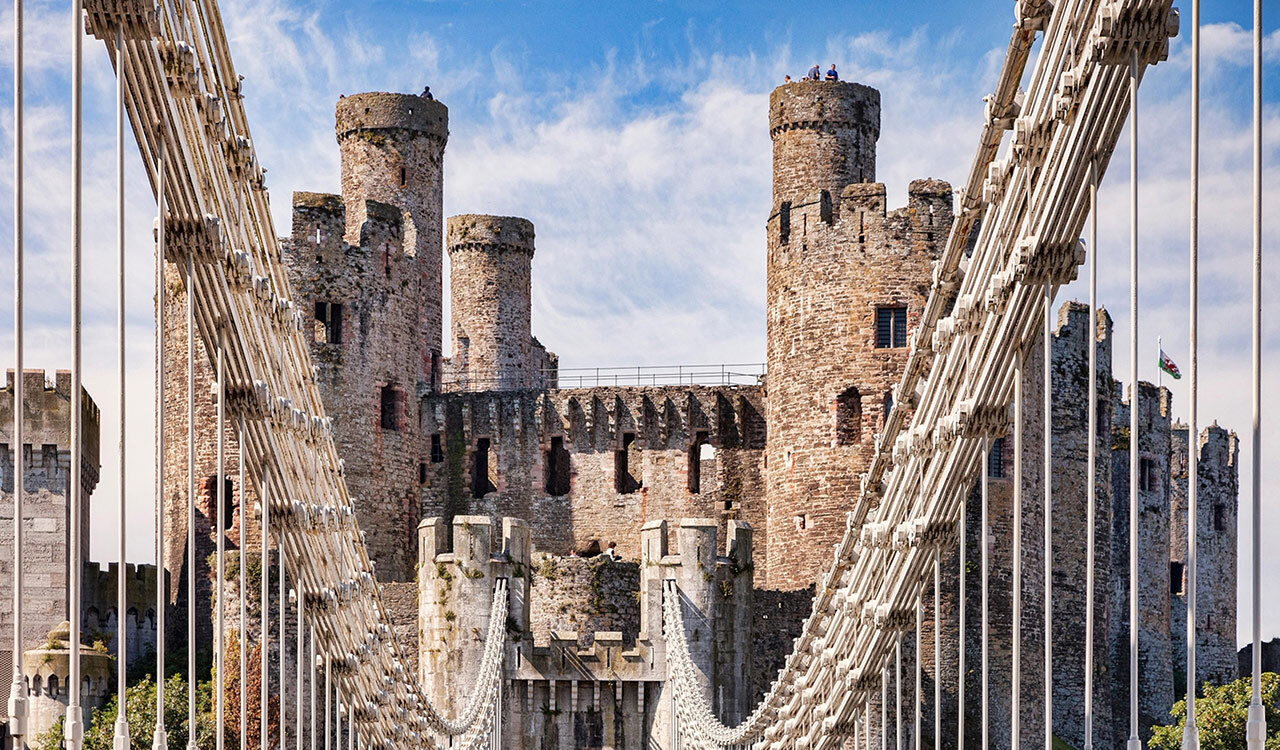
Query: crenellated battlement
{"points": [[361, 115], [659, 417], [47, 422], [567, 669], [863, 220], [824, 105], [489, 233]]}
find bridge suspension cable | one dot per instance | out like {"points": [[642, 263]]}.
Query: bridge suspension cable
{"points": [[1023, 214], [982, 312]]}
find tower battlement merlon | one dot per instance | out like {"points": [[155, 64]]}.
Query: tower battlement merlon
{"points": [[380, 110], [494, 233], [824, 105], [47, 407]]}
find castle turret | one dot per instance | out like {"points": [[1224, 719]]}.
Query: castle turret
{"points": [[393, 151], [489, 284], [846, 283], [46, 465], [824, 137]]}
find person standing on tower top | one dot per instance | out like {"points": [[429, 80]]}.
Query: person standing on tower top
{"points": [[426, 93], [814, 72], [832, 75]]}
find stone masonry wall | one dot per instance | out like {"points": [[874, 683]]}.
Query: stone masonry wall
{"points": [[490, 261], [828, 383], [393, 152], [46, 462], [667, 431], [1155, 667], [824, 137], [585, 595], [1216, 557], [369, 370]]}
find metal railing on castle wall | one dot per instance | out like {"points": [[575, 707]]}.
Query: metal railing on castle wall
{"points": [[595, 377]]}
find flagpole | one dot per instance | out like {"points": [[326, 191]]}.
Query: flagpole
{"points": [[1160, 365]]}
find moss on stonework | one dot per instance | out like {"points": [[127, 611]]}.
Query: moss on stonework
{"points": [[373, 138]]}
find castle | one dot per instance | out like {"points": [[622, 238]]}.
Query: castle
{"points": [[477, 465]]}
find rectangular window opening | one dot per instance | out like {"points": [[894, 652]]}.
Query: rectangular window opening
{"points": [[626, 465], [1219, 518], [391, 399], [422, 472], [328, 328], [696, 455], [891, 327], [1176, 585], [1147, 480], [483, 470], [557, 468], [995, 459], [437, 449]]}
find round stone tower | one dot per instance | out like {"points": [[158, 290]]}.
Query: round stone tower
{"points": [[846, 281], [392, 148], [824, 137], [489, 286]]}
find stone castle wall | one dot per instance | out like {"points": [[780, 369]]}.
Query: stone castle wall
{"points": [[596, 464], [392, 149], [1216, 556], [46, 465], [1155, 665], [369, 368]]}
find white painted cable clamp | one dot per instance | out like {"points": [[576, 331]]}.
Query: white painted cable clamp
{"points": [[1000, 291], [1000, 116], [993, 187], [875, 534], [871, 491], [181, 69], [989, 421], [1123, 25], [1030, 142], [1032, 15], [136, 19]]}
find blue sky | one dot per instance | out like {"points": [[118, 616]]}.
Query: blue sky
{"points": [[634, 136]]}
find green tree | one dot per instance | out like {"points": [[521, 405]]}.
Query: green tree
{"points": [[141, 714], [1221, 716]]}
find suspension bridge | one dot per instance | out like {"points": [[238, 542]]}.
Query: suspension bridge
{"points": [[1016, 240]]}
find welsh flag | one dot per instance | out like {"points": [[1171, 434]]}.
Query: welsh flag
{"points": [[1168, 365]]}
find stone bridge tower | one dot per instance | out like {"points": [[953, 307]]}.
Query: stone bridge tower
{"points": [[846, 281]]}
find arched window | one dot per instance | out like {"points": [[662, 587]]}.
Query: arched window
{"points": [[849, 417]]}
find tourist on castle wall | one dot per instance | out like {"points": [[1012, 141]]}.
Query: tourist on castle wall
{"points": [[832, 75], [814, 73]]}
